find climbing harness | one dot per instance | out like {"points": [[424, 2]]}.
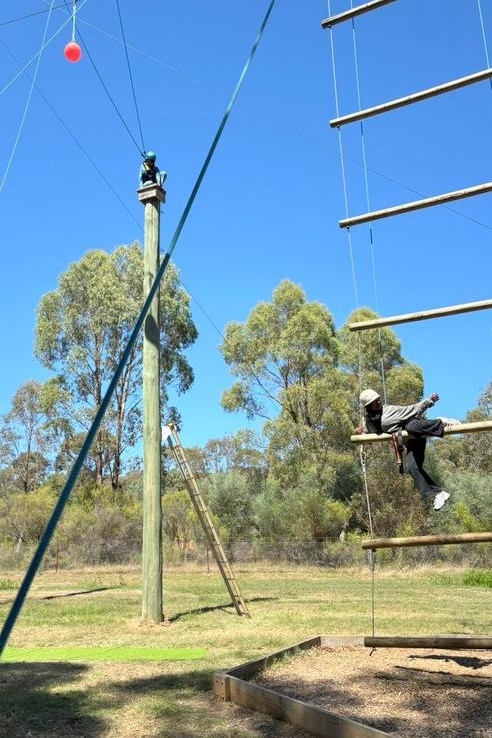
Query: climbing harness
{"points": [[398, 447]]}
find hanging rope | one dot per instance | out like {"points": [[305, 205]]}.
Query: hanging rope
{"points": [[342, 160], [130, 75], [362, 453], [30, 15], [368, 204], [106, 90], [74, 12], [371, 553], [484, 39], [28, 101]]}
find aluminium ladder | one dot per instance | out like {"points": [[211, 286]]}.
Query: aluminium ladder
{"points": [[170, 434]]}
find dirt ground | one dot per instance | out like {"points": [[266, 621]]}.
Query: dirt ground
{"points": [[410, 693]]}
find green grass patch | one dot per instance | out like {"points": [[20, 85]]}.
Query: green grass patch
{"points": [[478, 578], [89, 653], [7, 584]]}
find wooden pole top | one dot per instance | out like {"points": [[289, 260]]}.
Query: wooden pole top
{"points": [[145, 194]]}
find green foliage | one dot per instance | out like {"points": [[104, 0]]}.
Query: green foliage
{"points": [[287, 352], [363, 351], [282, 345], [300, 481], [106, 529], [396, 506], [230, 497], [472, 500], [240, 451], [179, 519], [6, 584], [299, 514], [477, 447], [478, 578], [25, 438], [472, 578], [81, 330], [23, 517]]}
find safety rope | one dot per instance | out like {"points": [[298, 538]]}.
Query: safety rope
{"points": [[30, 15], [362, 453], [368, 204], [28, 101], [370, 553], [130, 75], [106, 90], [74, 13], [342, 161], [91, 434], [484, 38]]}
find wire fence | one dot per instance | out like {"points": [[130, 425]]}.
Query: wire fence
{"points": [[324, 554]]}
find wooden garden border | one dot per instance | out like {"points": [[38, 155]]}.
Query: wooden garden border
{"points": [[231, 686]]}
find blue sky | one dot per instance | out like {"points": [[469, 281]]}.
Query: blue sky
{"points": [[270, 203]]}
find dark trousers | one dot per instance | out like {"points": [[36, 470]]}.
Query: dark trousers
{"points": [[416, 443]]}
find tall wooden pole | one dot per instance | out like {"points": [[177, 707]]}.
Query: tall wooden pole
{"points": [[152, 606]]}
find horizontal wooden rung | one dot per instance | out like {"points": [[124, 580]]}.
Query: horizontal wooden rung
{"points": [[408, 207], [483, 425], [467, 307], [448, 642], [439, 539], [354, 12], [400, 102]]}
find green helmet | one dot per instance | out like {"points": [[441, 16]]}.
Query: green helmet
{"points": [[150, 156]]}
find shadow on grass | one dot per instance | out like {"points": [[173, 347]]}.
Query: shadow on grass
{"points": [[227, 608], [62, 700], [76, 594], [31, 706], [65, 594]]}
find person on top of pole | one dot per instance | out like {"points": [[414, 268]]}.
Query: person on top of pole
{"points": [[150, 174], [379, 418]]}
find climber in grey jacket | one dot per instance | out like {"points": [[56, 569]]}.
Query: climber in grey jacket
{"points": [[381, 418]]}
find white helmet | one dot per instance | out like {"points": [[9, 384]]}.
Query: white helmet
{"points": [[367, 396]]}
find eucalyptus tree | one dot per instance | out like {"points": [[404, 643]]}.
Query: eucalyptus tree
{"points": [[242, 452], [478, 446], [82, 328], [285, 358], [24, 442]]}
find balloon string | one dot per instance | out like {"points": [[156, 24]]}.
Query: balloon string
{"points": [[73, 19]]}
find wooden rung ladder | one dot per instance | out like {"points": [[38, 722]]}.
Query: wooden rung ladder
{"points": [[170, 435]]}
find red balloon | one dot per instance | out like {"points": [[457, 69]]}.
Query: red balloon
{"points": [[72, 51]]}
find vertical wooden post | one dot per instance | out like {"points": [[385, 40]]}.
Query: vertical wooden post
{"points": [[152, 605]]}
